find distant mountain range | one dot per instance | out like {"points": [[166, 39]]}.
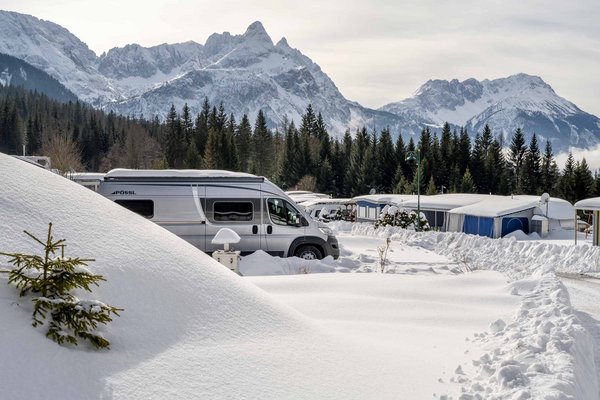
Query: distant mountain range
{"points": [[249, 73]]}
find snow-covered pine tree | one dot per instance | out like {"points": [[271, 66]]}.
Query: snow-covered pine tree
{"points": [[51, 279], [516, 158]]}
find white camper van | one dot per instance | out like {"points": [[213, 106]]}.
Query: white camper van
{"points": [[196, 204]]}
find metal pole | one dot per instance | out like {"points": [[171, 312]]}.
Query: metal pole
{"points": [[575, 226], [418, 192]]}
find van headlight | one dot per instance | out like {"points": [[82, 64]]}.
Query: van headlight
{"points": [[326, 231]]}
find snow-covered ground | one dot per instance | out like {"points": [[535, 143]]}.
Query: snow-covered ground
{"points": [[544, 349], [453, 316]]}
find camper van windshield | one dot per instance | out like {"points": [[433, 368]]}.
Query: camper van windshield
{"points": [[282, 212]]}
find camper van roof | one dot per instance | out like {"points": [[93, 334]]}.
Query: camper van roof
{"points": [[397, 199], [588, 204], [86, 176], [178, 174], [314, 202]]}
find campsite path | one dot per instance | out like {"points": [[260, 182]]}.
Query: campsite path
{"points": [[585, 298]]}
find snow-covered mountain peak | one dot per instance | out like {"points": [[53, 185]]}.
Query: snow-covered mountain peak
{"points": [[517, 101], [283, 44], [257, 36], [257, 30]]}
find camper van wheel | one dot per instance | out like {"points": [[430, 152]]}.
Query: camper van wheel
{"points": [[309, 253]]}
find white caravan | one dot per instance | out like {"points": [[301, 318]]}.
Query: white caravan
{"points": [[196, 204]]}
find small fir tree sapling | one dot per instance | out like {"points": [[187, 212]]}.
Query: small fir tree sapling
{"points": [[383, 250], [51, 279]]}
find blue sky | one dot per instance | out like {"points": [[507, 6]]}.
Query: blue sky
{"points": [[375, 51]]}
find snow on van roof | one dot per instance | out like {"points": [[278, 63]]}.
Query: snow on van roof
{"points": [[496, 206], [86, 176], [387, 198], [588, 204], [315, 202], [298, 192], [175, 173], [302, 198]]}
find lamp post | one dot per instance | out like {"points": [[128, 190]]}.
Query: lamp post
{"points": [[414, 156]]}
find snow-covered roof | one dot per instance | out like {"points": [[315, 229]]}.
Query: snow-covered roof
{"points": [[308, 196], [86, 176], [297, 192], [588, 204], [387, 198], [447, 201], [557, 208], [315, 202], [174, 173], [496, 206], [41, 161]]}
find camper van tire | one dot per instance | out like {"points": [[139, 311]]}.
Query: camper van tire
{"points": [[309, 253]]}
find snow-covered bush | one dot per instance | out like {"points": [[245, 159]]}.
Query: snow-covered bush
{"points": [[333, 215], [393, 216], [52, 278]]}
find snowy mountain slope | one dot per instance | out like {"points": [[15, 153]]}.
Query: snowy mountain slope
{"points": [[16, 72], [56, 51], [505, 104]]}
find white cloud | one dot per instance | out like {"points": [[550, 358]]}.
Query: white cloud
{"points": [[592, 157]]}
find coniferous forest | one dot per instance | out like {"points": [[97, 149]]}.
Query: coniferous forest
{"points": [[78, 137]]}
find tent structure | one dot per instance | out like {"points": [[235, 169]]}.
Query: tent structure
{"points": [[494, 217], [590, 205], [559, 212], [435, 208], [369, 206]]}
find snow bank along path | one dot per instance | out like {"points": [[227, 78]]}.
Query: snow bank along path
{"points": [[544, 352], [191, 329]]}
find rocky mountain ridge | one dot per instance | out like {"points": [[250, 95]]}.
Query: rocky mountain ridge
{"points": [[248, 73]]}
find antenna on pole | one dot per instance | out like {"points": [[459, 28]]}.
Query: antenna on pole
{"points": [[545, 199]]}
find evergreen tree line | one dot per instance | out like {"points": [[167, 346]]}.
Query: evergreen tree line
{"points": [[303, 157]]}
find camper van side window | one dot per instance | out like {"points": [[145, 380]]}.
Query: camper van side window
{"points": [[143, 207], [282, 212], [232, 211]]}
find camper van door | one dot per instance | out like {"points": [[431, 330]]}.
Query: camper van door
{"points": [[283, 226], [237, 208]]}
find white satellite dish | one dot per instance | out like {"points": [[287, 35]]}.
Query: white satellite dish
{"points": [[372, 191]]}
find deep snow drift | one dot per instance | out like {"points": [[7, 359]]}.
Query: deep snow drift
{"points": [[190, 329]]}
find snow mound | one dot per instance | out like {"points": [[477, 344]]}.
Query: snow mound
{"points": [[190, 328], [261, 263], [518, 235]]}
